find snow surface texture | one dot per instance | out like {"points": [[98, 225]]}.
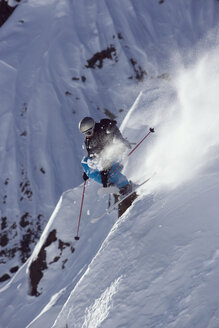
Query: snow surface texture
{"points": [[147, 63]]}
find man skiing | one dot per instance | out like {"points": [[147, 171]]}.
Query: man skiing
{"points": [[105, 146]]}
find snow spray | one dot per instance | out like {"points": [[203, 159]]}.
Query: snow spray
{"points": [[187, 138]]}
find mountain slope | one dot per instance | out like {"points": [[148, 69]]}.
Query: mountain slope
{"points": [[96, 59], [160, 266]]}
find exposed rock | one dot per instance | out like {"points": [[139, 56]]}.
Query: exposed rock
{"points": [[139, 72], [42, 170], [39, 265], [4, 239], [4, 277], [26, 190], [24, 222], [97, 59], [120, 37], [14, 269], [3, 223]]}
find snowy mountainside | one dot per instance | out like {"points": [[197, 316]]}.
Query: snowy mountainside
{"points": [[96, 59], [57, 252], [50, 90], [160, 266]]}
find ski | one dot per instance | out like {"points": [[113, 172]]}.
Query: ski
{"points": [[113, 206]]}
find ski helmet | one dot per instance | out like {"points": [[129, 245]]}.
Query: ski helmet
{"points": [[86, 124]]}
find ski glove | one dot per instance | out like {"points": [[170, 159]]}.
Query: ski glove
{"points": [[104, 178], [85, 177]]}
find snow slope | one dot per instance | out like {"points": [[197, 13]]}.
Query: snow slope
{"points": [[158, 265]]}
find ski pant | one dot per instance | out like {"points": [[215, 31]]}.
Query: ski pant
{"points": [[117, 178]]}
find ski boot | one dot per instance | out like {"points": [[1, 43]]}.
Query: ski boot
{"points": [[124, 205]]}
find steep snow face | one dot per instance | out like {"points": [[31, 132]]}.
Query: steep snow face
{"points": [[81, 59], [99, 59], [157, 267]]}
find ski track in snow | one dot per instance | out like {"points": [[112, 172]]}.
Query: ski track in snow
{"points": [[158, 265]]}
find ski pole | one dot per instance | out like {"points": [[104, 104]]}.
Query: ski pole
{"points": [[151, 130], [79, 219]]}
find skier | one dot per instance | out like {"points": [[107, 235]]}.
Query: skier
{"points": [[105, 145]]}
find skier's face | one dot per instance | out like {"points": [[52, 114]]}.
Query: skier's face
{"points": [[89, 133]]}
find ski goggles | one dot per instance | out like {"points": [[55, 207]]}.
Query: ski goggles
{"points": [[88, 133]]}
